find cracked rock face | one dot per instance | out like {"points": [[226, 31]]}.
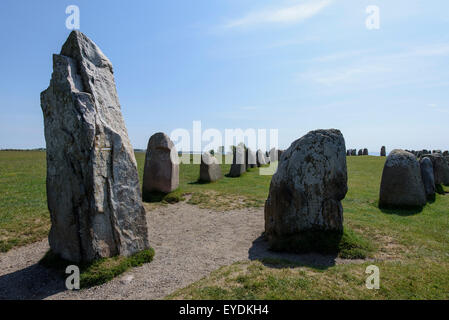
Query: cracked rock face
{"points": [[161, 171], [402, 184], [306, 190], [92, 181]]}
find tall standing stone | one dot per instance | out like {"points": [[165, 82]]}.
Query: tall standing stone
{"points": [[440, 168], [238, 166], [401, 184], [427, 176], [260, 158], [93, 189], [383, 151], [251, 161], [365, 152], [161, 170], [306, 191], [273, 155], [210, 169]]}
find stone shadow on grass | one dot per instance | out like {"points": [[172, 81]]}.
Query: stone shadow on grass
{"points": [[33, 282], [260, 251], [401, 211]]}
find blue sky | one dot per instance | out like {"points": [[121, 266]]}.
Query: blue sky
{"points": [[287, 64]]}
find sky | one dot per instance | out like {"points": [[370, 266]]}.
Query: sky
{"points": [[290, 65]]}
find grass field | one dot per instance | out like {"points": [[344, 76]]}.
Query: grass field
{"points": [[411, 248]]}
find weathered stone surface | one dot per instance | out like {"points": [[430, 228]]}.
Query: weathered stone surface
{"points": [[365, 152], [210, 169], [383, 152], [161, 170], [92, 181], [427, 176], [306, 190], [401, 184], [260, 158], [251, 161], [238, 166], [440, 168]]}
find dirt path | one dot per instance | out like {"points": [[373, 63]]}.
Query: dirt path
{"points": [[189, 242]]}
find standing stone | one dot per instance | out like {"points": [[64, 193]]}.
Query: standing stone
{"points": [[427, 176], [161, 170], [360, 153], [260, 158], [440, 168], [279, 154], [306, 190], [273, 155], [353, 152], [401, 184], [238, 166], [251, 161], [383, 151], [93, 190], [210, 170], [365, 152]]}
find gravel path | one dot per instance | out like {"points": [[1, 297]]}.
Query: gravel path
{"points": [[189, 243]]}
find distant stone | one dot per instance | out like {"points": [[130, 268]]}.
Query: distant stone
{"points": [[210, 169], [238, 166], [427, 176], [383, 151], [260, 158], [440, 168], [401, 184], [365, 152], [251, 161], [306, 191], [279, 154], [353, 152], [273, 155], [360, 153], [93, 189], [161, 170]]}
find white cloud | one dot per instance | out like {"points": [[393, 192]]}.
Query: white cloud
{"points": [[296, 13]]}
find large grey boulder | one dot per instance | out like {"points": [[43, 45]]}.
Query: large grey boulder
{"points": [[260, 158], [401, 184], [427, 176], [210, 169], [360, 153], [365, 152], [440, 168], [93, 189], [238, 166], [383, 151], [161, 170], [306, 190]]}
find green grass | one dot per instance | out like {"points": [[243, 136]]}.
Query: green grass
{"points": [[411, 247], [24, 216], [100, 271]]}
